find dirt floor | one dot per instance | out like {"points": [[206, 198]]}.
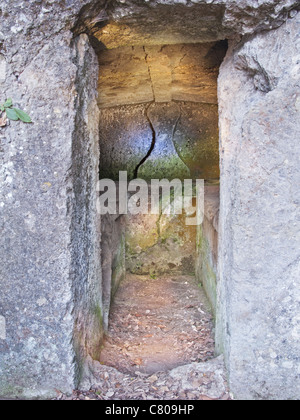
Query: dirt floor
{"points": [[159, 345], [157, 324]]}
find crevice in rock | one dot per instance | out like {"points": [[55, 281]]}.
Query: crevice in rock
{"points": [[152, 144], [149, 71]]}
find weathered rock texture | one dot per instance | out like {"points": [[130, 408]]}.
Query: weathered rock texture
{"points": [[207, 245], [112, 258], [26, 29], [157, 22], [85, 269], [156, 141], [162, 138], [157, 244], [49, 227], [164, 162], [258, 305], [196, 139]]}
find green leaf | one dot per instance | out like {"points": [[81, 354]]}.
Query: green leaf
{"points": [[11, 114], [2, 108], [22, 115], [8, 103]]}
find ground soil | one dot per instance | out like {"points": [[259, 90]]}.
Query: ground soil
{"points": [[157, 324], [159, 345]]}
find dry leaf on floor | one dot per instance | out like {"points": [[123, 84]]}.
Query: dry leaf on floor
{"points": [[3, 122]]}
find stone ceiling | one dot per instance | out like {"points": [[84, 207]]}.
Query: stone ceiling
{"points": [[27, 26], [162, 25], [164, 22], [133, 75]]}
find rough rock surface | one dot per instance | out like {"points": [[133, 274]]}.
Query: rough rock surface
{"points": [[185, 133], [196, 140], [157, 22], [85, 270], [164, 161], [259, 91], [207, 245], [27, 27], [44, 210], [125, 139], [158, 244], [112, 259], [160, 140]]}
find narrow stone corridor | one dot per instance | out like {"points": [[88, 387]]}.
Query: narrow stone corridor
{"points": [[158, 323], [159, 345]]}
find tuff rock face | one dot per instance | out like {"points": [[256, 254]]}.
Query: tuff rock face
{"points": [[258, 304], [207, 245], [159, 113], [27, 26], [50, 232], [50, 261], [156, 22]]}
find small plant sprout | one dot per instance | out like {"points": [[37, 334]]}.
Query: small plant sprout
{"points": [[8, 111]]}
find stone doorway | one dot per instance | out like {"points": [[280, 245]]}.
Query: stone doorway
{"points": [[159, 120], [51, 305]]}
